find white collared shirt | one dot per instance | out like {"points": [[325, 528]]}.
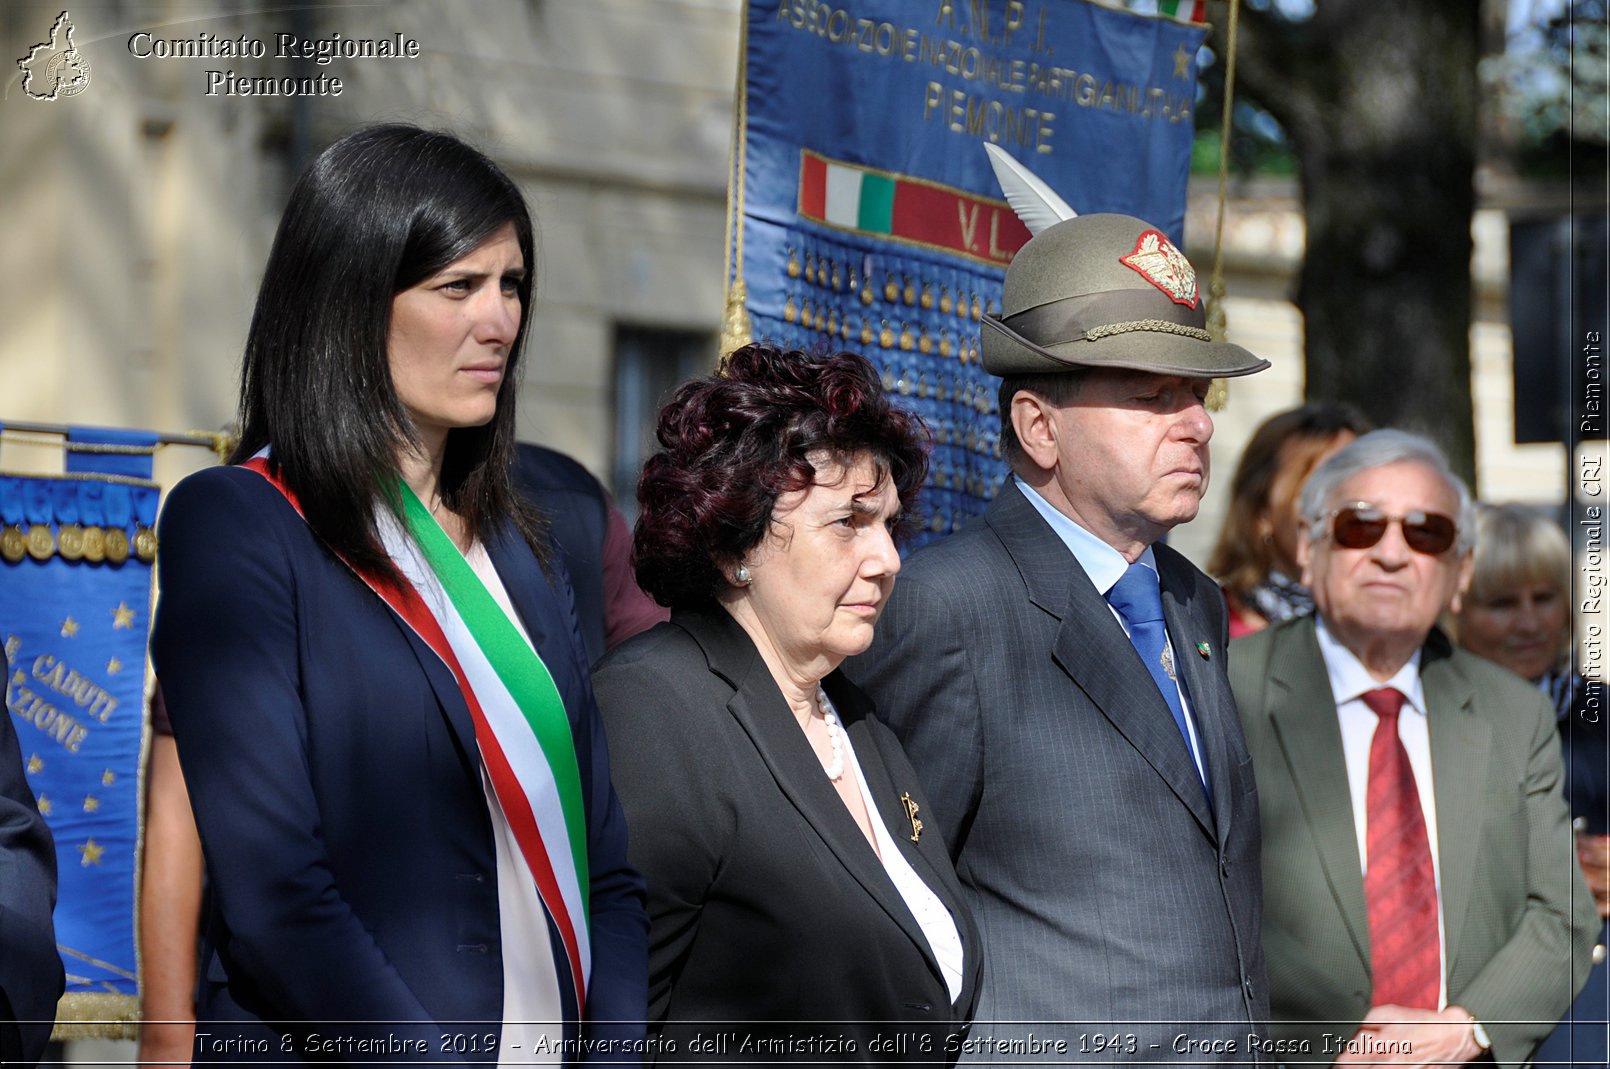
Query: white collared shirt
{"points": [[1349, 681], [1105, 566], [937, 924]]}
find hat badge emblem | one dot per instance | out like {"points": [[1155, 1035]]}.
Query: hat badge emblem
{"points": [[1157, 261]]}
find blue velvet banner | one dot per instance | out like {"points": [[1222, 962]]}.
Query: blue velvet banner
{"points": [[871, 219], [75, 593], [110, 451]]}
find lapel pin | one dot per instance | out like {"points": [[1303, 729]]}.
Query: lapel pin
{"points": [[911, 815], [1205, 650]]}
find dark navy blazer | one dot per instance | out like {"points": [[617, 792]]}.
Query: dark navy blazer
{"points": [[336, 782]]}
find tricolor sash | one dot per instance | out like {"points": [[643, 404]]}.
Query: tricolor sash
{"points": [[521, 726]]}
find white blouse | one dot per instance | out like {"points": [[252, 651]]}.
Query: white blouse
{"points": [[937, 925]]}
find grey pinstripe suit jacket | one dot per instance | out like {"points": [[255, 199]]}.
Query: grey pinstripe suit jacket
{"points": [[1105, 890], [1518, 921]]}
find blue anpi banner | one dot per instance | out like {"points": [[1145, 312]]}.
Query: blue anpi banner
{"points": [[75, 593], [867, 215]]}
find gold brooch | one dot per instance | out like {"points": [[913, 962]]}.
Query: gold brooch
{"points": [[911, 815]]}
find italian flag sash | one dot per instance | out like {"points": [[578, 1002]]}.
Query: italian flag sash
{"points": [[521, 726]]}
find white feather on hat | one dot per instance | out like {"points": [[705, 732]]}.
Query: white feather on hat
{"points": [[1034, 202]]}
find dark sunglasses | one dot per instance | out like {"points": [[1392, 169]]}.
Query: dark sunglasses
{"points": [[1360, 526]]}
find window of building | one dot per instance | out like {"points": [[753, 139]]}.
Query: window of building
{"points": [[649, 363]]}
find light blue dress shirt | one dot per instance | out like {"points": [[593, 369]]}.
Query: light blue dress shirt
{"points": [[1105, 566]]}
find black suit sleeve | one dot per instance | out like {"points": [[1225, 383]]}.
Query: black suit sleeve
{"points": [[669, 774], [619, 924], [31, 978]]}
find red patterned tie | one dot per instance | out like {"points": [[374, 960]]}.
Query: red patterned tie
{"points": [[1399, 884]]}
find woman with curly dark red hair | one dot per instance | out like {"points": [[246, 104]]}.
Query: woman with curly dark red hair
{"points": [[791, 884]]}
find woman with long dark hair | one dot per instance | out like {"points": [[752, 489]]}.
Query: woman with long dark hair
{"points": [[381, 706]]}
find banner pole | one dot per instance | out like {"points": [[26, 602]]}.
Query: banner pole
{"points": [[735, 324], [1217, 321], [220, 442]]}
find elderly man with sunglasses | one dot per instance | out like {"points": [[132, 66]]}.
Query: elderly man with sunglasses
{"points": [[1421, 901]]}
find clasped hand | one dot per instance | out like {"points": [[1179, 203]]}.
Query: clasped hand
{"points": [[1399, 1035]]}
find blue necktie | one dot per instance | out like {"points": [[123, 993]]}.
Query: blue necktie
{"points": [[1139, 602]]}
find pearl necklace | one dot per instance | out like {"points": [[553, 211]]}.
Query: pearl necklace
{"points": [[835, 735]]}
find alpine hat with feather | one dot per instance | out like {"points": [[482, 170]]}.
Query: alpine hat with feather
{"points": [[1098, 291]]}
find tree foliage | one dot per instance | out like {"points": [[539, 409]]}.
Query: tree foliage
{"points": [[1552, 81], [1379, 102]]}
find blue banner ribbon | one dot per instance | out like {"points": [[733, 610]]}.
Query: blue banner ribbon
{"points": [[92, 495], [39, 500], [12, 510], [67, 495]]}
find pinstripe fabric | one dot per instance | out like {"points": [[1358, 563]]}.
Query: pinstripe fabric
{"points": [[1105, 892], [1518, 920]]}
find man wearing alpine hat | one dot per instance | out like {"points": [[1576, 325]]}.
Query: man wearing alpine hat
{"points": [[1057, 676]]}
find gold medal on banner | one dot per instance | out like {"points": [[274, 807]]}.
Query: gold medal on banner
{"points": [[70, 540], [94, 545], [117, 545], [41, 544], [13, 546], [145, 543]]}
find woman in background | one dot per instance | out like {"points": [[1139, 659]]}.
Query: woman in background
{"points": [[379, 700], [1517, 612], [1255, 560], [792, 885]]}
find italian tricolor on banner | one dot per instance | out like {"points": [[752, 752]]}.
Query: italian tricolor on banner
{"points": [[1184, 10], [885, 205], [846, 196]]}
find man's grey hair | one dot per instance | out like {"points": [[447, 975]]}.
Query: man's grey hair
{"points": [[1378, 449]]}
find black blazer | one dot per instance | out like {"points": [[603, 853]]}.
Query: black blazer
{"points": [[765, 902]]}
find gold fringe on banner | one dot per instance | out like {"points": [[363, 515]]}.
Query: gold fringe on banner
{"points": [[83, 1015], [1217, 322], [222, 443], [736, 327]]}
